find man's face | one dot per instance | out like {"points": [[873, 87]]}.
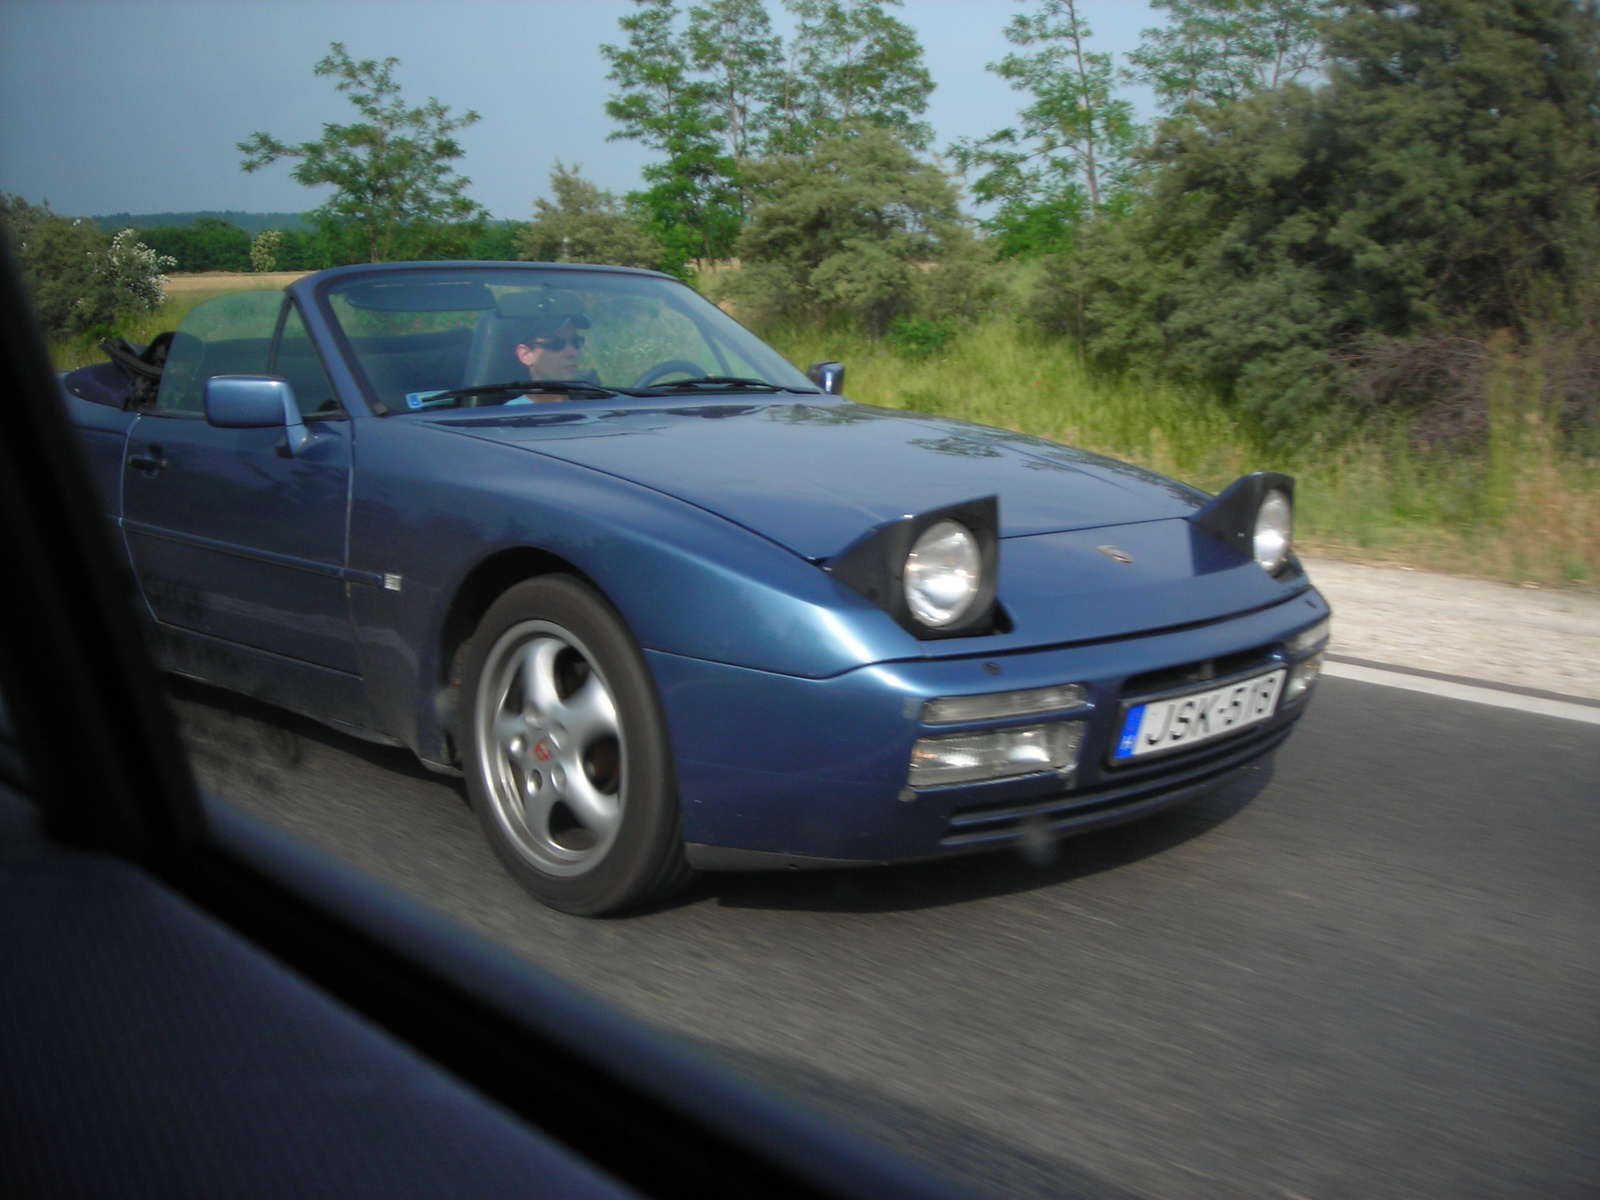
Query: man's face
{"points": [[552, 356]]}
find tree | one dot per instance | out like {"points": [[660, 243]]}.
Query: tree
{"points": [[1476, 124], [732, 42], [861, 229], [304, 250], [585, 224], [497, 242], [1447, 181], [219, 245], [391, 172], [1070, 151], [710, 96], [693, 196], [206, 244], [851, 66], [1215, 51]]}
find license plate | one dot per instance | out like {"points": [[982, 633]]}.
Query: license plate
{"points": [[1159, 725]]}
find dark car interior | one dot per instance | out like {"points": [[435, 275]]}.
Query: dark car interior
{"points": [[415, 362], [195, 1004]]}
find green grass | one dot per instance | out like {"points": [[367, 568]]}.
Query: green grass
{"points": [[996, 375], [1526, 511]]}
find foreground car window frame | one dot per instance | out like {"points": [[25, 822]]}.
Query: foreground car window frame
{"points": [[102, 760]]}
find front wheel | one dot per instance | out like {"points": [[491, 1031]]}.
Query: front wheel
{"points": [[567, 759]]}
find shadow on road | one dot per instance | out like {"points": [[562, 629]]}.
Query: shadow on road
{"points": [[996, 873]]}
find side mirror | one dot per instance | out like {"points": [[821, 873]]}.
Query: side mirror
{"points": [[829, 376], [256, 402]]}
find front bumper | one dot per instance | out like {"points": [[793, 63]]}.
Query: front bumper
{"points": [[777, 771]]}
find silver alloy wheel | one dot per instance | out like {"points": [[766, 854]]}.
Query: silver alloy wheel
{"points": [[550, 748]]}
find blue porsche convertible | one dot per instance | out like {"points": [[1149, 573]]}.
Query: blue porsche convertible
{"points": [[665, 601]]}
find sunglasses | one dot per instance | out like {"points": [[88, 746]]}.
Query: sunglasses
{"points": [[559, 344]]}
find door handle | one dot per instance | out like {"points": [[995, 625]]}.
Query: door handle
{"points": [[148, 463]]}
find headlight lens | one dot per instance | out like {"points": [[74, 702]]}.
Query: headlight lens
{"points": [[949, 758], [942, 573], [1274, 526]]}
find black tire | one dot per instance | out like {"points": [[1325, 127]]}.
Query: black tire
{"points": [[565, 750]]}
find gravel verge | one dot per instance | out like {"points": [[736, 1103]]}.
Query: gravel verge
{"points": [[1535, 638]]}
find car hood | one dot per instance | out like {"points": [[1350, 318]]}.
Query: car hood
{"points": [[816, 476]]}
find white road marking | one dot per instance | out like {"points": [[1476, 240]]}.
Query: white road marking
{"points": [[1463, 691]]}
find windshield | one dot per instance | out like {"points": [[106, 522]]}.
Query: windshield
{"points": [[448, 337]]}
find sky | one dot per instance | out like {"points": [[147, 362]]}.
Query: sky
{"points": [[125, 106]]}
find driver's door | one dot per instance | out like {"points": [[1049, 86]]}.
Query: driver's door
{"points": [[231, 537]]}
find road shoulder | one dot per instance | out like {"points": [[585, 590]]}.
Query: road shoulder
{"points": [[1469, 629]]}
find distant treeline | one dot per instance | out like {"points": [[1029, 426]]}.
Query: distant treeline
{"points": [[85, 282], [251, 222], [214, 244]]}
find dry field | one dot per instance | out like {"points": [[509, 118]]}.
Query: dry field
{"points": [[223, 281]]}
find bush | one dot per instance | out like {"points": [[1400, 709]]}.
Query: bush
{"points": [[264, 250], [1444, 384], [56, 257], [126, 279], [918, 337], [858, 230], [79, 279]]}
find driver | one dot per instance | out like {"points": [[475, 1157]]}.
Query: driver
{"points": [[549, 340]]}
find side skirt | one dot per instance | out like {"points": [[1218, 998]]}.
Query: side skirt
{"points": [[332, 697]]}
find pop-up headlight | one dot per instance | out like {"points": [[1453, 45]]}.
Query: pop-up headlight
{"points": [[1254, 515], [934, 573], [1274, 527]]}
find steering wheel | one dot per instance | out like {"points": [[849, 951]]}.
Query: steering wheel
{"points": [[672, 366]]}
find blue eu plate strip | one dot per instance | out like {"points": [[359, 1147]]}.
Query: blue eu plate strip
{"points": [[1130, 732]]}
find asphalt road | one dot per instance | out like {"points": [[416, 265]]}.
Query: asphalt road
{"points": [[1370, 969]]}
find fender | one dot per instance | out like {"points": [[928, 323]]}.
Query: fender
{"points": [[687, 582]]}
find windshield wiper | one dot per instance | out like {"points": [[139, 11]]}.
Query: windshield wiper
{"points": [[719, 381], [516, 387]]}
